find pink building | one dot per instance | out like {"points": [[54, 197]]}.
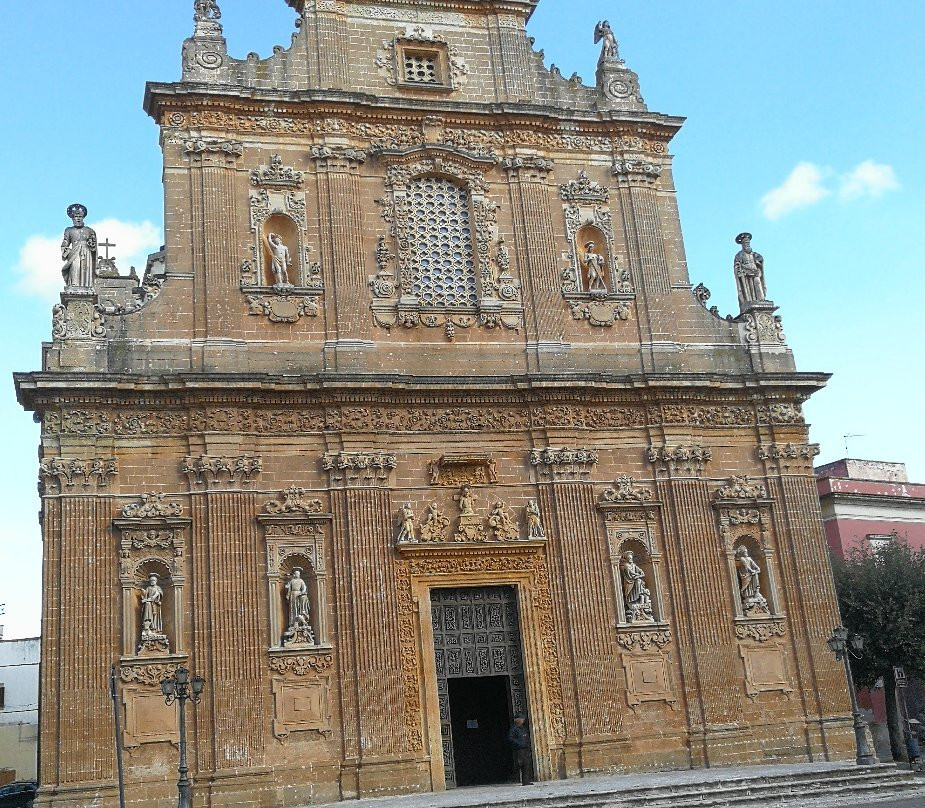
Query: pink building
{"points": [[868, 501]]}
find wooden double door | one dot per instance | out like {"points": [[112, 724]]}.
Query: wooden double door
{"points": [[480, 680]]}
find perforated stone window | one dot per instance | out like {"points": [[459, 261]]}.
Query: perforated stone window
{"points": [[421, 66], [441, 259]]}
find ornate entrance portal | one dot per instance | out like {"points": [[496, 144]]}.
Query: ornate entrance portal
{"points": [[477, 639]]}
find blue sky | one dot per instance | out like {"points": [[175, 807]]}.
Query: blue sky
{"points": [[805, 126]]}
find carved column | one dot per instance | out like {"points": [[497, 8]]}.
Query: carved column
{"points": [[636, 182], [369, 656], [80, 601], [215, 292], [338, 183], [229, 613], [709, 660], [533, 229], [583, 607]]}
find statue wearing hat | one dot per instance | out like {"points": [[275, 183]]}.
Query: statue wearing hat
{"points": [[78, 250], [749, 272]]}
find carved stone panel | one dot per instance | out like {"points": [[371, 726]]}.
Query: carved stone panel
{"points": [[463, 469], [301, 706], [765, 669], [147, 718], [648, 678]]}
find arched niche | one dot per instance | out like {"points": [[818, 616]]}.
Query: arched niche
{"points": [[280, 251], [638, 598], [153, 609], [298, 628], [754, 590], [592, 248]]}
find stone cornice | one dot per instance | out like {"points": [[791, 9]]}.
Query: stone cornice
{"points": [[522, 7], [162, 99]]}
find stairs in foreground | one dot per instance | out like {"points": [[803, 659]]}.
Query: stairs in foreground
{"points": [[788, 786]]}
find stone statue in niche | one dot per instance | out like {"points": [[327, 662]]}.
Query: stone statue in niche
{"points": [[153, 638], [749, 272], [78, 250], [636, 595], [594, 263], [466, 502], [501, 523], [534, 523], [406, 526], [299, 630], [609, 50], [749, 572], [434, 526], [280, 259]]}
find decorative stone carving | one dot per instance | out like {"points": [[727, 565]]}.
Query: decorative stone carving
{"points": [[435, 525], [760, 631], [282, 308], [78, 250], [648, 678], [470, 527], [535, 529], [643, 640], [636, 596], [532, 165], [749, 273], [210, 470], [149, 674], [741, 488], [276, 175], [680, 460], [789, 457], [359, 468], [637, 169], [78, 317], [337, 157], [151, 505], [610, 48], [448, 71], [501, 523], [763, 327], [600, 314], [585, 189], [753, 602], [624, 490], [447, 190], [405, 524], [292, 500], [563, 464], [58, 473], [765, 669], [302, 664], [463, 469], [202, 147]]}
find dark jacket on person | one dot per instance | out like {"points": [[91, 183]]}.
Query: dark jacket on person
{"points": [[519, 737]]}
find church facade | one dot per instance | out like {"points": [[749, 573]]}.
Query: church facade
{"points": [[417, 423]]}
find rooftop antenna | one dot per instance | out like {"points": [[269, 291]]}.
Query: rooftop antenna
{"points": [[851, 435]]}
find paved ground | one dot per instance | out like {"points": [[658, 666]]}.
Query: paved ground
{"points": [[510, 795]]}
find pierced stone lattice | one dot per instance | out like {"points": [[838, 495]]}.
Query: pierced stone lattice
{"points": [[441, 258], [420, 67]]}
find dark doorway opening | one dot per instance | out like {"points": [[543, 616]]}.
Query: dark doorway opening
{"points": [[481, 715]]}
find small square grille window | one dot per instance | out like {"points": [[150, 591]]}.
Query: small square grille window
{"points": [[422, 66]]}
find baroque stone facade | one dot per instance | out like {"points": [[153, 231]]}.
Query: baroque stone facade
{"points": [[419, 396]]}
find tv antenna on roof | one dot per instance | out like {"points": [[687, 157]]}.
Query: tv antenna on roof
{"points": [[851, 435]]}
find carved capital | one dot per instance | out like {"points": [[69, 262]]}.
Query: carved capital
{"points": [[359, 468], [337, 158], [213, 150], [788, 458], [563, 464], [636, 169], [680, 460], [528, 167], [214, 472], [57, 474]]}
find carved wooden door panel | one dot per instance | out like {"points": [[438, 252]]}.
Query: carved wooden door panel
{"points": [[476, 633]]}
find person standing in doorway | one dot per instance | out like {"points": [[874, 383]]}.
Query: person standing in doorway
{"points": [[519, 738]]}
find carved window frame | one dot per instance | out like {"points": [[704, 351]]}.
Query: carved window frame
{"points": [[451, 67], [499, 301]]}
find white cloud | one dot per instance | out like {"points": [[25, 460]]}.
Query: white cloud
{"points": [[802, 188], [40, 261], [867, 179]]}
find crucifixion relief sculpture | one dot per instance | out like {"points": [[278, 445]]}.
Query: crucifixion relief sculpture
{"points": [[280, 259], [78, 250], [153, 638], [753, 602], [749, 272], [299, 630], [636, 595]]}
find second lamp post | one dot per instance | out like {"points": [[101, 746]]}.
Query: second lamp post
{"points": [[841, 643], [181, 688]]}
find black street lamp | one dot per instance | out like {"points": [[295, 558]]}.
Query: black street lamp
{"points": [[843, 645], [180, 687]]}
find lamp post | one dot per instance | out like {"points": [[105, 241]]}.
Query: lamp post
{"points": [[179, 687], [843, 644]]}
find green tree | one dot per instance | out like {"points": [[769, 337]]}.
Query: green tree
{"points": [[881, 595]]}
